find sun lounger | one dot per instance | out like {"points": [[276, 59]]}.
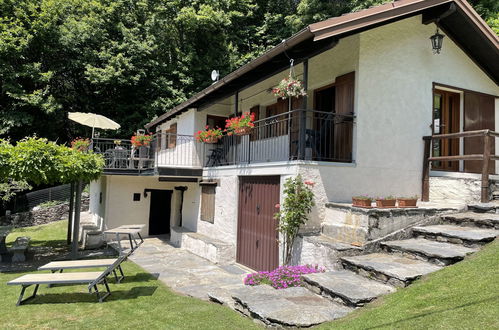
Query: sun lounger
{"points": [[92, 279], [59, 266]]}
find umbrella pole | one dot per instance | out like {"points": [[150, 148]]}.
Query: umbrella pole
{"points": [[93, 127]]}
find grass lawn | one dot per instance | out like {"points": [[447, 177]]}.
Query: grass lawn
{"points": [[462, 296], [140, 302]]}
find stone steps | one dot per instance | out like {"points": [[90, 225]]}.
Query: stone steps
{"points": [[439, 253], [473, 219], [389, 268], [346, 287], [467, 236], [292, 307]]}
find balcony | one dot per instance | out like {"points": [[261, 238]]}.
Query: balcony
{"points": [[294, 135]]}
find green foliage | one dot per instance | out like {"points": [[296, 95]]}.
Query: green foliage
{"points": [[132, 60], [10, 188], [298, 203], [39, 161]]}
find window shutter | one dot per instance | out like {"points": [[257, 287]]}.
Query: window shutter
{"points": [[344, 86], [208, 203], [172, 136]]}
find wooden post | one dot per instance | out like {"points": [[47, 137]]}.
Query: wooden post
{"points": [[303, 115], [71, 209], [485, 167], [425, 187], [76, 225]]}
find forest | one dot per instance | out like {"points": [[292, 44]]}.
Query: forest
{"points": [[132, 60]]}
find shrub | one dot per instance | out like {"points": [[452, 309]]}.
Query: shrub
{"points": [[282, 277]]}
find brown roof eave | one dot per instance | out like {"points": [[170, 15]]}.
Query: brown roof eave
{"points": [[286, 44]]}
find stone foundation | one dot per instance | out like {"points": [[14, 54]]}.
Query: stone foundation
{"points": [[458, 190], [39, 216]]}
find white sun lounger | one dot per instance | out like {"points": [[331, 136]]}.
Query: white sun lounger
{"points": [[59, 266], [92, 279]]}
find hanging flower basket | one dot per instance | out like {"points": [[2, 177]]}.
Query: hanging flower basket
{"points": [[210, 135], [242, 130], [289, 87], [240, 125]]}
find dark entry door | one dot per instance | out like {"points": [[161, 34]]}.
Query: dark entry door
{"points": [[479, 113], [159, 214], [257, 239], [445, 121]]}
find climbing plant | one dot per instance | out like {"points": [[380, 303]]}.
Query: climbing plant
{"points": [[37, 161], [298, 203]]}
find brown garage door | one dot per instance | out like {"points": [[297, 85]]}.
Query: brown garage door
{"points": [[257, 245]]}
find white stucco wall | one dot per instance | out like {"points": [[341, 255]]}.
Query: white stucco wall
{"points": [[393, 106], [122, 210], [97, 205]]}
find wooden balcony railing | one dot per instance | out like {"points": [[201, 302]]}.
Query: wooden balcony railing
{"points": [[485, 157]]}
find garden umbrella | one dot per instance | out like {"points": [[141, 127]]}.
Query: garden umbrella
{"points": [[93, 120]]}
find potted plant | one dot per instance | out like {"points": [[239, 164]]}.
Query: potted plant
{"points": [[362, 201], [80, 144], [407, 201], [386, 202], [141, 140], [240, 125], [209, 135], [289, 87]]}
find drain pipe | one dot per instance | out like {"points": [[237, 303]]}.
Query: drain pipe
{"points": [[181, 189]]}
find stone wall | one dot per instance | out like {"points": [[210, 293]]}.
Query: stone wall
{"points": [[458, 190], [40, 216]]}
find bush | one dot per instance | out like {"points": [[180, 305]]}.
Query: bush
{"points": [[282, 277]]}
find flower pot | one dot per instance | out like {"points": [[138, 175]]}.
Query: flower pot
{"points": [[385, 203], [211, 140], [407, 202], [242, 130], [361, 202]]}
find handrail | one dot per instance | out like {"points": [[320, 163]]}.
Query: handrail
{"points": [[305, 110], [485, 158]]}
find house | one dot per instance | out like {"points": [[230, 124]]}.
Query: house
{"points": [[375, 89]]}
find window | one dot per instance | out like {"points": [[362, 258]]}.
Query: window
{"points": [[171, 136], [208, 202], [215, 121]]}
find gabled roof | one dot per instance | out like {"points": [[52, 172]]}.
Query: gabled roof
{"points": [[456, 17]]}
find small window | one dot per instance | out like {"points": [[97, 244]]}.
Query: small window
{"points": [[208, 203], [136, 197], [171, 136]]}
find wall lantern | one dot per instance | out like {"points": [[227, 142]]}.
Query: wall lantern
{"points": [[436, 42]]}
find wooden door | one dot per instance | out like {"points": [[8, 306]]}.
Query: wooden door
{"points": [[343, 130], [445, 121], [478, 114], [159, 213], [257, 236]]}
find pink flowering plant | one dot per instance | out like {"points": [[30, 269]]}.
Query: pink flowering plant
{"points": [[294, 211], [289, 87], [282, 277]]}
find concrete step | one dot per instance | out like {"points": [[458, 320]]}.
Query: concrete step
{"points": [[346, 287], [470, 219], [438, 253], [467, 236], [392, 269]]}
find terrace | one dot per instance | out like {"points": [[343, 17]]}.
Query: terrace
{"points": [[294, 135]]}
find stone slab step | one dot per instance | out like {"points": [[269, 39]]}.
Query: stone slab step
{"points": [[468, 236], [293, 307], [392, 269], [351, 289], [488, 220], [437, 252]]}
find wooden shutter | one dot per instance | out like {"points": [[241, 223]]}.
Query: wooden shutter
{"points": [[255, 133], [171, 136], [478, 114], [344, 98], [208, 203]]}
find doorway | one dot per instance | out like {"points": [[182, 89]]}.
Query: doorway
{"points": [[257, 236], [159, 212], [446, 119]]}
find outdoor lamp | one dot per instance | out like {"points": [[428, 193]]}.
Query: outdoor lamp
{"points": [[436, 42]]}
